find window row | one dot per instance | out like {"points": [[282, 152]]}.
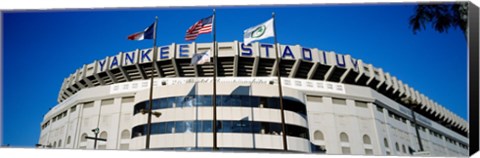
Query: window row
{"points": [[222, 101], [225, 126], [318, 135], [421, 128], [89, 104], [59, 116]]}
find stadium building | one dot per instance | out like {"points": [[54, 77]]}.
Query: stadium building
{"points": [[333, 103]]}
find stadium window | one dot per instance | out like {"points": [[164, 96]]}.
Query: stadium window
{"points": [[107, 101], [368, 152], [390, 114], [73, 108], [128, 99], [102, 146], [343, 137], [83, 138], [379, 109], [318, 135], [69, 139], [385, 142], [54, 144], [125, 134], [88, 105], [124, 146], [346, 150], [366, 139], [397, 147], [361, 104], [59, 143], [314, 98], [404, 149], [339, 101]]}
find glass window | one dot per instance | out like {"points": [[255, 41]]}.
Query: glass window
{"points": [[275, 128], [218, 100], [242, 126], [224, 126], [314, 98], [343, 137], [404, 149], [156, 104], [107, 101], [366, 139], [318, 135], [346, 150], [254, 101], [179, 102], [256, 127], [180, 127], [361, 104], [124, 146], [103, 135], [189, 101], [368, 152], [379, 109], [73, 108], [190, 126], [170, 102], [128, 99], [83, 138], [170, 127], [125, 134], [235, 100], [339, 101], [69, 138], [88, 104], [207, 126], [273, 103], [397, 147], [245, 101], [385, 142], [204, 100]]}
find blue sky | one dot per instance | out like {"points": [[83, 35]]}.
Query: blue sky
{"points": [[41, 48]]}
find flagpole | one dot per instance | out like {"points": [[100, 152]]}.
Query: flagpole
{"points": [[149, 122], [280, 94], [214, 99]]}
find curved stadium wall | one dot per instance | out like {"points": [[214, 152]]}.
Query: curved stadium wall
{"points": [[333, 104]]}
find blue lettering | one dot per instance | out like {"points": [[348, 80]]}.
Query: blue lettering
{"points": [[114, 62], [101, 64], [182, 51], [324, 57], [355, 63], [309, 58], [287, 51], [266, 48], [145, 55], [129, 58], [163, 52], [249, 50], [338, 63]]}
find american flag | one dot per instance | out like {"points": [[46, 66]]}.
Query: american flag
{"points": [[200, 27]]}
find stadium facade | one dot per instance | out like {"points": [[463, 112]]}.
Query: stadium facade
{"points": [[333, 103]]}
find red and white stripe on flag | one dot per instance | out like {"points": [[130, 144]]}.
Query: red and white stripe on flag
{"points": [[202, 26]]}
